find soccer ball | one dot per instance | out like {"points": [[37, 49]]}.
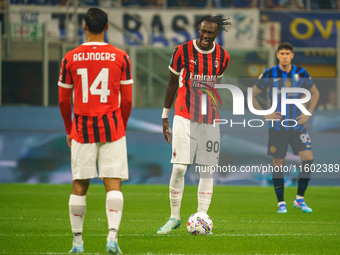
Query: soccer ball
{"points": [[199, 224]]}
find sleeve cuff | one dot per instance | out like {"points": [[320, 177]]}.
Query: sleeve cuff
{"points": [[173, 70]]}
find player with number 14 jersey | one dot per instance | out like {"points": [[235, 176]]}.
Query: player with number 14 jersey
{"points": [[96, 71]]}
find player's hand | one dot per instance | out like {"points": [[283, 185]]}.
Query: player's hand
{"points": [[273, 116], [302, 119], [68, 140], [166, 131]]}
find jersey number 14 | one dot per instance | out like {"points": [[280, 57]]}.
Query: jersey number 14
{"points": [[102, 78]]}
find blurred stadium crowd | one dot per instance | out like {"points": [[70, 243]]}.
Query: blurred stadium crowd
{"points": [[269, 4]]}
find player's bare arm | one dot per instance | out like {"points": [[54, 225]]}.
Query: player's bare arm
{"points": [[273, 116], [315, 95], [169, 98]]}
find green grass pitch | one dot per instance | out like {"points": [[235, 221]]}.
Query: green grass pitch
{"points": [[34, 220]]}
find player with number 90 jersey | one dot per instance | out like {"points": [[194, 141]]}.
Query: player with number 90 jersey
{"points": [[95, 72]]}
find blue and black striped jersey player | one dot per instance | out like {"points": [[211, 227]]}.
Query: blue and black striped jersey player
{"points": [[293, 133]]}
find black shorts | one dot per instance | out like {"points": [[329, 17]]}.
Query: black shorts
{"points": [[279, 140]]}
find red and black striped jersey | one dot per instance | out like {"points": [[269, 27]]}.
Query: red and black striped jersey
{"points": [[197, 98], [95, 72]]}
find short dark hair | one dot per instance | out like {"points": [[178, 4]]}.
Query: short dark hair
{"points": [[286, 46], [96, 20], [219, 20]]}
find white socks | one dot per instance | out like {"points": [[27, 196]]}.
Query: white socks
{"points": [[281, 203], [77, 207], [176, 189], [114, 209], [205, 190]]}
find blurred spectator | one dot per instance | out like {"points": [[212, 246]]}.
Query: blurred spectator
{"points": [[152, 3], [246, 3], [324, 4], [224, 3], [279, 4], [275, 4], [46, 2], [187, 3], [89, 2], [22, 1], [131, 3], [179, 3], [144, 3], [62, 2], [38, 2], [2, 5], [198, 3]]}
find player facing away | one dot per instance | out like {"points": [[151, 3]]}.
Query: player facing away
{"points": [[99, 76], [194, 69], [293, 133]]}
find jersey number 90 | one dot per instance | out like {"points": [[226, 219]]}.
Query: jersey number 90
{"points": [[212, 146]]}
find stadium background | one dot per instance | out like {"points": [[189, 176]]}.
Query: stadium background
{"points": [[36, 34]]}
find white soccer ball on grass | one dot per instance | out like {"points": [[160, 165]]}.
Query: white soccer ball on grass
{"points": [[199, 224]]}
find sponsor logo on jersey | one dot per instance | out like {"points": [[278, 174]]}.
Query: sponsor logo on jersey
{"points": [[194, 61], [288, 83]]}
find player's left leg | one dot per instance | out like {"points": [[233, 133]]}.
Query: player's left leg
{"points": [[205, 189], [77, 208], [83, 165], [303, 180], [114, 209], [207, 156]]}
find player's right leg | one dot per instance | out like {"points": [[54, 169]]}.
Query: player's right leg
{"points": [[176, 188], [277, 148], [113, 167], [278, 183], [205, 189], [83, 165]]}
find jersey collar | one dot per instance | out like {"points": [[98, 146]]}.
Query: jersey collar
{"points": [[284, 70], [94, 43], [204, 51]]}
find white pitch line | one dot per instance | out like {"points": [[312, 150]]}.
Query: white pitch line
{"points": [[284, 222], [173, 235], [157, 220]]}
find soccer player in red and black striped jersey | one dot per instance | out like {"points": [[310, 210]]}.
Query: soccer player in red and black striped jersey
{"points": [[195, 67], [99, 77]]}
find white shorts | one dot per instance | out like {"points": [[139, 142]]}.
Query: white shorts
{"points": [[110, 156], [190, 139]]}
